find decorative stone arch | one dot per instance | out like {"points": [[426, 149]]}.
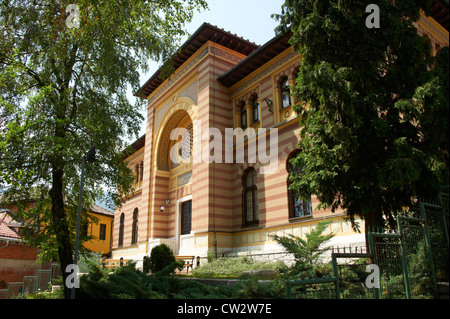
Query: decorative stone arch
{"points": [[247, 97], [178, 111], [290, 149], [290, 72]]}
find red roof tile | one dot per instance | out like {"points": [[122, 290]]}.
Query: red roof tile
{"points": [[5, 229]]}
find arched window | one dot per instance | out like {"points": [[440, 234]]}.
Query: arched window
{"points": [[285, 93], [297, 206], [182, 148], [121, 228], [141, 169], [255, 109], [243, 116], [136, 170], [134, 230], [187, 142], [250, 198]]}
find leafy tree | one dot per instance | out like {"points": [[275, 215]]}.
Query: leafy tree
{"points": [[63, 84], [374, 117]]}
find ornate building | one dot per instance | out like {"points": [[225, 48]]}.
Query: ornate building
{"points": [[193, 191]]}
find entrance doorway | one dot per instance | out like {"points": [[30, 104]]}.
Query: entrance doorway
{"points": [[186, 217]]}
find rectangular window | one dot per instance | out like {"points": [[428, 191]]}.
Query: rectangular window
{"points": [[297, 206], [255, 111], [250, 198], [102, 235], [244, 119], [186, 217]]}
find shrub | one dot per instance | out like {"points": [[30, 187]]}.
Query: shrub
{"points": [[234, 266], [307, 252], [160, 257], [129, 283], [123, 283]]}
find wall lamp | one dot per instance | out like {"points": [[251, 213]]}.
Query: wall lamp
{"points": [[162, 208]]}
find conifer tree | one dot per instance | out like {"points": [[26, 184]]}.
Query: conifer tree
{"points": [[374, 117]]}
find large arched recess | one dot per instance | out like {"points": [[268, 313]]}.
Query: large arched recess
{"points": [[174, 116]]}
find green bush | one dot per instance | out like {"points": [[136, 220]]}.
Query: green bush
{"points": [[256, 289], [129, 283], [160, 257], [232, 267]]}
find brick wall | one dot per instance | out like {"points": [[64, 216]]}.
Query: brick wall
{"points": [[17, 251]]}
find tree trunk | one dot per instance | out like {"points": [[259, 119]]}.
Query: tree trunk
{"points": [[60, 225], [372, 222]]}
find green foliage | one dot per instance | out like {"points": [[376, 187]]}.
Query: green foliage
{"points": [[129, 283], [64, 90], [57, 294], [160, 257], [124, 283], [307, 252], [256, 289], [232, 267], [374, 118]]}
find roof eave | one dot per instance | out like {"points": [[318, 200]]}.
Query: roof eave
{"points": [[195, 41]]}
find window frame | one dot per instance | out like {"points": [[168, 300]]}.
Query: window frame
{"points": [[293, 206], [102, 232], [121, 230], [256, 108], [251, 189], [243, 115], [285, 89], [134, 228]]}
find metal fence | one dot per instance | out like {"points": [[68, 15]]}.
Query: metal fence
{"points": [[31, 284], [408, 262], [314, 288], [350, 269]]}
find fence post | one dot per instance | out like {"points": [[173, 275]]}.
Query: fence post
{"points": [[444, 219], [404, 261], [336, 275], [372, 252], [288, 289], [428, 246]]}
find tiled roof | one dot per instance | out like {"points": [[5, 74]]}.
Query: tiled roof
{"points": [[206, 32], [5, 229], [100, 210]]}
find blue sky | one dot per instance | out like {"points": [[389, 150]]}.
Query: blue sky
{"points": [[249, 19]]}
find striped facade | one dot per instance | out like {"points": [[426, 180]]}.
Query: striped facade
{"points": [[200, 206]]}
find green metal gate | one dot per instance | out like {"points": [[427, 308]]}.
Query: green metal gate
{"points": [[405, 258], [436, 214], [314, 288], [352, 273], [409, 261]]}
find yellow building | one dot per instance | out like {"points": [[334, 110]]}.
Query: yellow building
{"points": [[100, 231]]}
